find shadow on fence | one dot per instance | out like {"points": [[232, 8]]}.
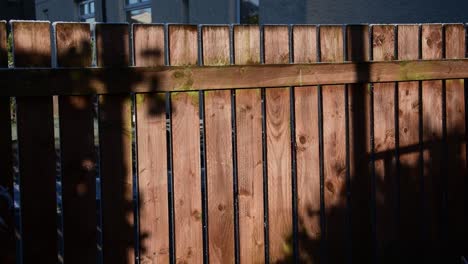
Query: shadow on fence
{"points": [[424, 224]]}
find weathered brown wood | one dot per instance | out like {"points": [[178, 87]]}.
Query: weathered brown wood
{"points": [[37, 152], [307, 152], [249, 151], [115, 139], [218, 129], [410, 218], [77, 150], [42, 82], [432, 134], [7, 255], [278, 150], [186, 152], [456, 133], [358, 47], [148, 43], [384, 138], [3, 45], [331, 46]]}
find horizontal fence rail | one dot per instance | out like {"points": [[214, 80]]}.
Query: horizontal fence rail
{"points": [[46, 82], [233, 143]]}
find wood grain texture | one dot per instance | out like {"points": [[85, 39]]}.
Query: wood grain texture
{"points": [[432, 134], [152, 157], [249, 151], [148, 45], [307, 152], [45, 82], [358, 47], [7, 255], [115, 139], [32, 48], [3, 45], [186, 152], [218, 130], [37, 153], [331, 46], [456, 133], [278, 150], [183, 45], [77, 150], [408, 117], [383, 46]]}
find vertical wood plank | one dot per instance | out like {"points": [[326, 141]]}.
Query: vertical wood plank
{"points": [[432, 135], [152, 157], [307, 152], [218, 129], [3, 45], [455, 49], [383, 46], [411, 210], [36, 150], [186, 151], [358, 49], [249, 151], [6, 179], [331, 46], [77, 150], [115, 139], [278, 150]]}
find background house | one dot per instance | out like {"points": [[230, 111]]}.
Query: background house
{"points": [[253, 11], [17, 9]]}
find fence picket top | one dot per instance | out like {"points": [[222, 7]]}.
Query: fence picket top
{"points": [[304, 44], [73, 42], [183, 41], [112, 45], [29, 53]]}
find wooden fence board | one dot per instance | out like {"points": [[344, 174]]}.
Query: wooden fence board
{"points": [[115, 137], [384, 132], [152, 157], [36, 153], [6, 166], [331, 47], [186, 152], [46, 82], [432, 134], [358, 49], [456, 133], [249, 151], [216, 51], [411, 210], [307, 152], [278, 150], [77, 150]]}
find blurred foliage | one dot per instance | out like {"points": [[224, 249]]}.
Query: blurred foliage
{"points": [[10, 49]]}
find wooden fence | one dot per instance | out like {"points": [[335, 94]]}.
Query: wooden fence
{"points": [[326, 169]]}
